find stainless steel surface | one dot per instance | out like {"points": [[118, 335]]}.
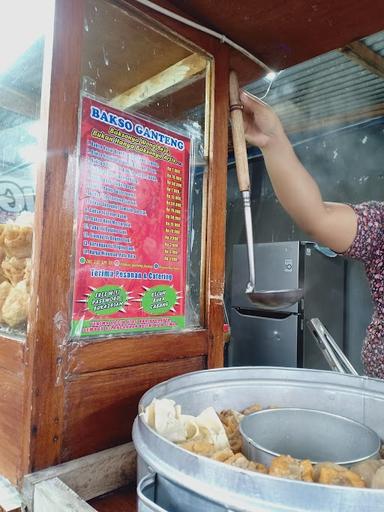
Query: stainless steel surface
{"points": [[329, 348], [324, 283], [158, 494], [275, 299], [145, 494], [359, 398], [307, 434], [263, 340], [276, 268], [249, 233], [265, 299]]}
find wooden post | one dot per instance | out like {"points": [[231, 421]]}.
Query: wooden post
{"points": [[48, 321], [217, 200]]}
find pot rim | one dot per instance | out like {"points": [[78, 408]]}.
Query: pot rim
{"points": [[304, 410]]}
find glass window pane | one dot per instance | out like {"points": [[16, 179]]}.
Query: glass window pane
{"points": [[142, 159], [21, 68]]}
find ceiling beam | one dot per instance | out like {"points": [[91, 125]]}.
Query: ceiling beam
{"points": [[363, 55], [171, 79]]}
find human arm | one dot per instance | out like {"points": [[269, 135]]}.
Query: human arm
{"points": [[331, 224]]}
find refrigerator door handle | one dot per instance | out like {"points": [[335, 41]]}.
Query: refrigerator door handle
{"points": [[334, 356]]}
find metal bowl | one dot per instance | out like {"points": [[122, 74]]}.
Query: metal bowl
{"points": [[307, 434]]}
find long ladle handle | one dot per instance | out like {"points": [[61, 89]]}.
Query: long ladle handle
{"points": [[238, 137], [241, 157]]}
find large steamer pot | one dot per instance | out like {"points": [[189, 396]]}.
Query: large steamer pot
{"points": [[228, 488], [158, 494]]}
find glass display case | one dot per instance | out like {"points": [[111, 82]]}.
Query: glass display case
{"points": [[108, 271], [142, 150], [21, 71]]}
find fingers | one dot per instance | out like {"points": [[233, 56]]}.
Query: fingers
{"points": [[251, 101], [248, 118]]}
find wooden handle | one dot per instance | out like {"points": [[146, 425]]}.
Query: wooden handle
{"points": [[239, 145]]}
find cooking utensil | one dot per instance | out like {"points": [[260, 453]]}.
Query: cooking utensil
{"points": [[307, 434], [265, 299], [333, 354]]}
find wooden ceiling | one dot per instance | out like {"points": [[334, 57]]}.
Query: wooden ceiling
{"points": [[285, 32]]}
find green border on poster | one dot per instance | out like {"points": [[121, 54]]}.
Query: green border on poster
{"points": [[82, 325]]}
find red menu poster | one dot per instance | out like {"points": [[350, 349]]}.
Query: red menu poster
{"points": [[132, 214]]}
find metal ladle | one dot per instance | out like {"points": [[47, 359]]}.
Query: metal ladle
{"points": [[265, 299]]}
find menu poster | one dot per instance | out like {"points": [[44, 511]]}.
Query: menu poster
{"points": [[132, 214]]}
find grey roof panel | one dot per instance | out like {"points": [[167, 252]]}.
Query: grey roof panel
{"points": [[325, 87]]}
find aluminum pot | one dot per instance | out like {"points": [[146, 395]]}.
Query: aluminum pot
{"points": [[307, 434], [358, 398], [158, 494]]}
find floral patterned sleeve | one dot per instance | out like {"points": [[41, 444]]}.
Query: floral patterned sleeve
{"points": [[369, 236]]}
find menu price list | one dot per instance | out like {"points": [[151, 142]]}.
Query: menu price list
{"points": [[132, 225], [173, 216]]}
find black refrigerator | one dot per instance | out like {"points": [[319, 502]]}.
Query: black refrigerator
{"points": [[281, 337]]}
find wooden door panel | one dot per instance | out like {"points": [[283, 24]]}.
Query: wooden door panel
{"points": [[101, 406]]}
